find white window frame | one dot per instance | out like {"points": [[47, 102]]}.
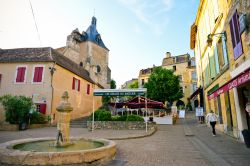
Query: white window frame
{"points": [[25, 74], [33, 74]]}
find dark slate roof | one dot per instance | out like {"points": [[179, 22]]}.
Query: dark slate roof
{"points": [[93, 35], [45, 54]]}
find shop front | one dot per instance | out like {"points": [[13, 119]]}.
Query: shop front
{"points": [[240, 86]]}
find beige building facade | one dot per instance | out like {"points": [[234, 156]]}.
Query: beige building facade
{"points": [[58, 75], [45, 73], [184, 67], [220, 39]]}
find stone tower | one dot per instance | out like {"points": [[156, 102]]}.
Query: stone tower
{"points": [[89, 51]]}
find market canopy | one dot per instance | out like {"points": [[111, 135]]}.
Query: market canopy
{"points": [[139, 102], [120, 92]]}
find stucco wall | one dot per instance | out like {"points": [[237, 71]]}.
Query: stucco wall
{"points": [[41, 92], [80, 100]]}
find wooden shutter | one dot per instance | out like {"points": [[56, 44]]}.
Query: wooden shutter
{"points": [[88, 89], [38, 74], [78, 85], [20, 74], [73, 83], [235, 35]]}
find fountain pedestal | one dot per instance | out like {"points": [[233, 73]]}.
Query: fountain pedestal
{"points": [[64, 110]]}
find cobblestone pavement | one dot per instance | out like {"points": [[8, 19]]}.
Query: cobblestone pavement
{"points": [[185, 144]]}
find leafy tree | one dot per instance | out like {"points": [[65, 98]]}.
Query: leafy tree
{"points": [[163, 86], [106, 99], [112, 84], [133, 85]]}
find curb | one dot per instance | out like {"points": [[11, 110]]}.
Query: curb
{"points": [[135, 137]]}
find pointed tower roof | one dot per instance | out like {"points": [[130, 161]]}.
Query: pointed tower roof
{"points": [[93, 35]]}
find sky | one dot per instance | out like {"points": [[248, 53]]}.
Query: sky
{"points": [[138, 33]]}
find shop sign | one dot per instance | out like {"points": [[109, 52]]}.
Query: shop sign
{"points": [[232, 84]]}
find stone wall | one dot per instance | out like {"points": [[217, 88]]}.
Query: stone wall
{"points": [[119, 125]]}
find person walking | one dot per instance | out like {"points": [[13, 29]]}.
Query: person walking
{"points": [[212, 118]]}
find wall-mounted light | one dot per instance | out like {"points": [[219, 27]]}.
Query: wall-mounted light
{"points": [[210, 37]]}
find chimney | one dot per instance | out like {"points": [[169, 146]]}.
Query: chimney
{"points": [[168, 54]]}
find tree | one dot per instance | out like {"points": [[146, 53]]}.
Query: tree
{"points": [[112, 84], [163, 86], [106, 99], [133, 85]]}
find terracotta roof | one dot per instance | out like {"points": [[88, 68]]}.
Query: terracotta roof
{"points": [[45, 54]]}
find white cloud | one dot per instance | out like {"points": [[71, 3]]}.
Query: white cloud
{"points": [[151, 13]]}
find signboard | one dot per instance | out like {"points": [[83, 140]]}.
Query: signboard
{"points": [[231, 84], [181, 113], [120, 92], [199, 111]]}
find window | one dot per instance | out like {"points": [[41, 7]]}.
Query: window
{"points": [[38, 74], [193, 76], [142, 82], [88, 89], [20, 74], [174, 68], [76, 84], [235, 35]]}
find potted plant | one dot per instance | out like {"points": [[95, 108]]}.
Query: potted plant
{"points": [[246, 135]]}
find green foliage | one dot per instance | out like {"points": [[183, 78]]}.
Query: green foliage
{"points": [[134, 118], [17, 108], [163, 86], [38, 118], [133, 85], [106, 99], [101, 115], [112, 84], [119, 118]]}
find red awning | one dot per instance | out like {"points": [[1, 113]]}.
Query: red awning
{"points": [[237, 81]]}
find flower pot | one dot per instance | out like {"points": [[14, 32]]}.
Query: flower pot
{"points": [[246, 135]]}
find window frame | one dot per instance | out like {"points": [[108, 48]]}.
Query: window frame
{"points": [[33, 74], [25, 74]]}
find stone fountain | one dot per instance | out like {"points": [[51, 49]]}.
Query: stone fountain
{"points": [[64, 110], [60, 151]]}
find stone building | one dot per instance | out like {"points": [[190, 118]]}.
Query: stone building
{"points": [[89, 51], [220, 39], [128, 83], [184, 67]]}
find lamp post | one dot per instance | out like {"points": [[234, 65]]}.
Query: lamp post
{"points": [[210, 37]]}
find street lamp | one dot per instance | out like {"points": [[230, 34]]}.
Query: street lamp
{"points": [[210, 37]]}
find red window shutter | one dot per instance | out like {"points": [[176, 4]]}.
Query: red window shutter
{"points": [[73, 83], [42, 108], [20, 74], [35, 78], [79, 85], [88, 89], [40, 74], [23, 74]]}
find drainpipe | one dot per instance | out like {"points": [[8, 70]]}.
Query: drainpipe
{"points": [[52, 70]]}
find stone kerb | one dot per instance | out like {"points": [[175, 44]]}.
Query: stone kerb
{"points": [[96, 156], [119, 125]]}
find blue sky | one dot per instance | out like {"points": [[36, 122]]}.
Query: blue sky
{"points": [[137, 32]]}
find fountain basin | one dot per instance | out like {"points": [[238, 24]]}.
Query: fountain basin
{"points": [[104, 151]]}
